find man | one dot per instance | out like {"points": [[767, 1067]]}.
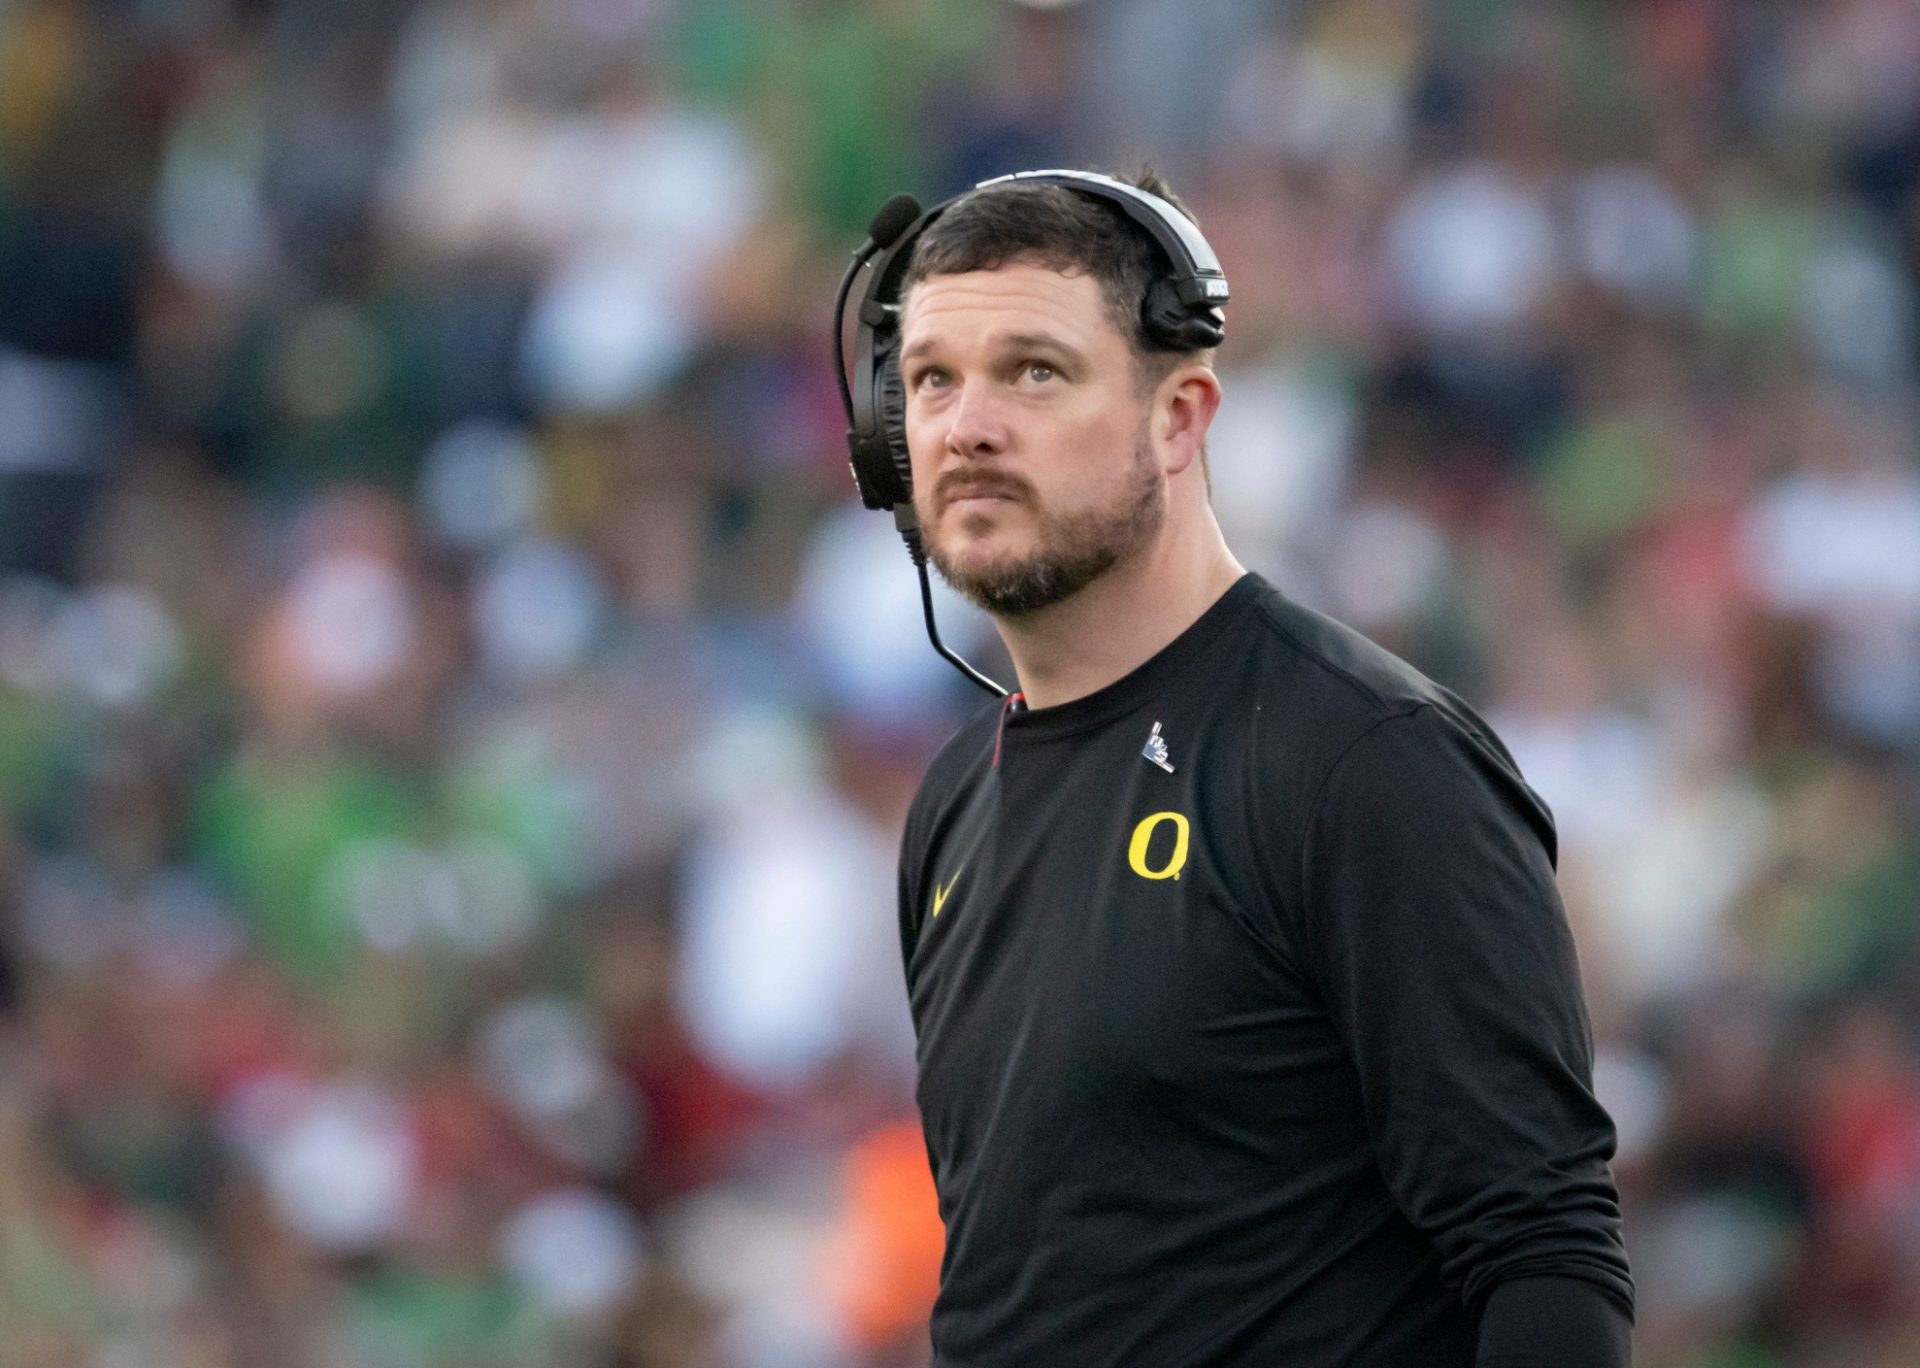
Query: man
{"points": [[1249, 1024]]}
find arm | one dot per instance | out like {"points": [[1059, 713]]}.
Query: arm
{"points": [[1553, 1322], [909, 923], [1443, 956]]}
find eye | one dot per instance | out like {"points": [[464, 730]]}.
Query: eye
{"points": [[928, 377], [1039, 371]]}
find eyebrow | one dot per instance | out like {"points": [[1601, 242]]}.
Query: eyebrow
{"points": [[1011, 342]]}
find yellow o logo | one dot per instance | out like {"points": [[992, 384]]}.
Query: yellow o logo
{"points": [[1143, 836]]}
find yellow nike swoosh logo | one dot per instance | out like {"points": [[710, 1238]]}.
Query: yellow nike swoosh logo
{"points": [[940, 894]]}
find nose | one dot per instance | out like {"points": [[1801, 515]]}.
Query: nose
{"points": [[976, 426]]}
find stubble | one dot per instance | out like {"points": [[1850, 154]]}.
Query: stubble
{"points": [[1072, 551]]}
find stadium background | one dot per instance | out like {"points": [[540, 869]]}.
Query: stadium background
{"points": [[454, 723]]}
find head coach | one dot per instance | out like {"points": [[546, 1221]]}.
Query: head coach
{"points": [[1249, 1027]]}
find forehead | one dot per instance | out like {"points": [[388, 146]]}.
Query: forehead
{"points": [[975, 307]]}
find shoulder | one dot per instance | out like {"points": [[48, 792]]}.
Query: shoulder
{"points": [[1319, 686], [1333, 704], [1336, 669]]}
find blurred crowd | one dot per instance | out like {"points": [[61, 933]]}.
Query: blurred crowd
{"points": [[455, 721]]}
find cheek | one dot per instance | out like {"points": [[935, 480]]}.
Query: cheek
{"points": [[923, 452], [1088, 460]]}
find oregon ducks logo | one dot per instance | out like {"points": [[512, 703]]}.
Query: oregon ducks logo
{"points": [[1143, 838]]}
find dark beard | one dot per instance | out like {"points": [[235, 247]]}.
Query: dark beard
{"points": [[1074, 550]]}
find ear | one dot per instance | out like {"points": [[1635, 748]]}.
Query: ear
{"points": [[1183, 409]]}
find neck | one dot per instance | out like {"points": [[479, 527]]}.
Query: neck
{"points": [[1121, 620]]}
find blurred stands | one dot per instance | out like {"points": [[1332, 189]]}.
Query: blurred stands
{"points": [[454, 727]]}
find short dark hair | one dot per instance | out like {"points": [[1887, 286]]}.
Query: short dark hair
{"points": [[1066, 231]]}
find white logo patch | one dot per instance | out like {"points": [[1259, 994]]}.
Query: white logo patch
{"points": [[1156, 749]]}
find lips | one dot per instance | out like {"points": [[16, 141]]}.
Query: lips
{"points": [[978, 493]]}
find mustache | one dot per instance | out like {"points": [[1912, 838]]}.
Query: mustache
{"points": [[965, 484]]}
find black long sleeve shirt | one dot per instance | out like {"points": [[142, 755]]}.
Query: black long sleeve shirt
{"points": [[1249, 1025]]}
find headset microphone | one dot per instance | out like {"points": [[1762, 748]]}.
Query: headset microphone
{"points": [[1182, 312], [894, 218]]}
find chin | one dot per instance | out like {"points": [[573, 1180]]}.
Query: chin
{"points": [[985, 552]]}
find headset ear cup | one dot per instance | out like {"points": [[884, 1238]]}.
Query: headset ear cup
{"points": [[892, 402], [1174, 326], [877, 442], [1206, 329]]}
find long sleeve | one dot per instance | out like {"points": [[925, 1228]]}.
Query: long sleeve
{"points": [[1553, 1323], [1440, 948]]}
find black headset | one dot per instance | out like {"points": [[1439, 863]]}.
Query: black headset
{"points": [[1182, 312]]}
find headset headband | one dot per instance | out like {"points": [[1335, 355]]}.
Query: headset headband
{"points": [[1196, 276]]}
